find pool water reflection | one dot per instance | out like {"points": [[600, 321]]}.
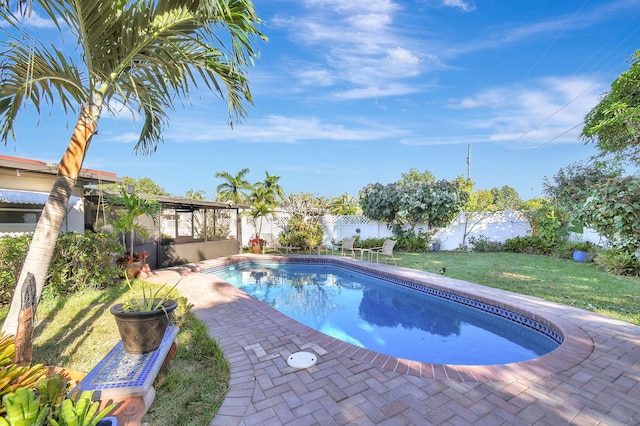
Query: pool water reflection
{"points": [[384, 317]]}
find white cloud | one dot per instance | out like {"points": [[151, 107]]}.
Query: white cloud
{"points": [[34, 20], [394, 89], [357, 43], [536, 112], [276, 129], [467, 7]]}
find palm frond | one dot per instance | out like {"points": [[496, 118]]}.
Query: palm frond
{"points": [[148, 54], [39, 74]]}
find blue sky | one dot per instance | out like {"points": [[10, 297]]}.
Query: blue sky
{"points": [[349, 93]]}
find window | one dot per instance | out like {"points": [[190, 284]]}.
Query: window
{"points": [[198, 225], [14, 215]]}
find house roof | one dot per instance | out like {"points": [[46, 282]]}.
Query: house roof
{"points": [[10, 196], [178, 203], [41, 167]]}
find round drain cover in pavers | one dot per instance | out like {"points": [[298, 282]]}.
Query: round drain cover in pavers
{"points": [[301, 360]]}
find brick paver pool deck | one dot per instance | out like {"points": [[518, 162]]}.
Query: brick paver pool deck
{"points": [[592, 379]]}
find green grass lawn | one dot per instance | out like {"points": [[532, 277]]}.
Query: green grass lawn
{"points": [[559, 280], [78, 331]]}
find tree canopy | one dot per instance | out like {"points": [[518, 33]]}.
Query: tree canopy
{"points": [[576, 178], [143, 185], [614, 124], [409, 202], [235, 188]]}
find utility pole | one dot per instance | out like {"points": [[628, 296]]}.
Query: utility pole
{"points": [[469, 161]]}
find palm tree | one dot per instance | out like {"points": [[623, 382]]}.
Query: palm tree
{"points": [[233, 187], [269, 189], [143, 54], [129, 207], [259, 211]]}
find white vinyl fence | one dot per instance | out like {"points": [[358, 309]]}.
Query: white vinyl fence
{"points": [[497, 226]]}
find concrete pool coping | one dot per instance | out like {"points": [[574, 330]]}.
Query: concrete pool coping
{"points": [[595, 378]]}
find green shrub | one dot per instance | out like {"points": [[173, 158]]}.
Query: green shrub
{"points": [[619, 262], [564, 249], [370, 242], [79, 262], [409, 240], [482, 243], [84, 261], [12, 253], [528, 244], [300, 233]]}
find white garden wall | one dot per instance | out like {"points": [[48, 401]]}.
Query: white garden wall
{"points": [[497, 226]]}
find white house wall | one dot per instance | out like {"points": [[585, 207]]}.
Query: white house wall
{"points": [[73, 222]]}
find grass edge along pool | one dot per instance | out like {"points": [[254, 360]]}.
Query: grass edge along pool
{"points": [[555, 338]]}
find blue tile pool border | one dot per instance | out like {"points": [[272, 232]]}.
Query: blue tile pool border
{"points": [[423, 287]]}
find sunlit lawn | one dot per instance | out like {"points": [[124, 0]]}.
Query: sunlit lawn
{"points": [[559, 280]]}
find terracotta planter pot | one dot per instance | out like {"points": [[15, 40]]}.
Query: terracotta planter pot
{"points": [[133, 268], [142, 332], [256, 249]]}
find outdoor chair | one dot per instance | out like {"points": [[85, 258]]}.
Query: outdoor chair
{"points": [[386, 251], [347, 245], [273, 245]]}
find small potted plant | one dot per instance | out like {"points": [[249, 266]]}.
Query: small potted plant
{"points": [[143, 320], [257, 244], [134, 264], [435, 245], [581, 251]]}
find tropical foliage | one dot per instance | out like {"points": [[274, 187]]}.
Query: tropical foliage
{"points": [[235, 188], [614, 124], [409, 202], [303, 228], [611, 208], [79, 262], [143, 185], [128, 207], [144, 55], [345, 204], [565, 187]]}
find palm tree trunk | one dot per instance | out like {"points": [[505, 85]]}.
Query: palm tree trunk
{"points": [[46, 233]]}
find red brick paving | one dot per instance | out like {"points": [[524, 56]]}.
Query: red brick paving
{"points": [[592, 379]]}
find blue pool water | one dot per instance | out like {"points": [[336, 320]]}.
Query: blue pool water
{"points": [[385, 317]]}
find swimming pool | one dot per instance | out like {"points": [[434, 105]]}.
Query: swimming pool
{"points": [[392, 317]]}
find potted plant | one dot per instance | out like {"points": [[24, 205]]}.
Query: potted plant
{"points": [[143, 320], [435, 245], [134, 264], [128, 207], [257, 244], [581, 251]]}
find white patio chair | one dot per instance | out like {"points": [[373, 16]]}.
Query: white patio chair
{"points": [[386, 251], [347, 245]]}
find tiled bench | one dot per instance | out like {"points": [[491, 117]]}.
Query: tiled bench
{"points": [[128, 379]]}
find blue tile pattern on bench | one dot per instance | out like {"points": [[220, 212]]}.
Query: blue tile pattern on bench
{"points": [[119, 369]]}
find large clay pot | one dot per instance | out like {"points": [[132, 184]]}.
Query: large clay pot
{"points": [[133, 268], [256, 249], [142, 332]]}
